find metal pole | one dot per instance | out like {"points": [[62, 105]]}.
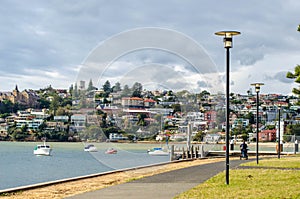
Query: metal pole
{"points": [[257, 123], [279, 134], [227, 114]]}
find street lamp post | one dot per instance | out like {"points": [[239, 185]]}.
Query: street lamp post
{"points": [[279, 148], [227, 44], [257, 89]]}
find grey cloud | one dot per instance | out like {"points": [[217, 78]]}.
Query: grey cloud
{"points": [[249, 56], [203, 84], [279, 76], [155, 75], [35, 34]]}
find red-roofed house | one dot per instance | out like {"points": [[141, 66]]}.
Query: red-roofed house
{"points": [[148, 103], [132, 102], [267, 135]]}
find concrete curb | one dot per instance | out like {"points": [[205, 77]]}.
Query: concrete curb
{"points": [[38, 185]]}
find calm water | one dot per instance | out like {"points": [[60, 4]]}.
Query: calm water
{"points": [[19, 167]]}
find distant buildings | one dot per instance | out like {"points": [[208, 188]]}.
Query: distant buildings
{"points": [[163, 111], [26, 97]]}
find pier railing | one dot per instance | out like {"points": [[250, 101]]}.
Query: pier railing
{"points": [[215, 149]]}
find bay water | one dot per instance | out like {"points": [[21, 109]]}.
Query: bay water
{"points": [[20, 167]]}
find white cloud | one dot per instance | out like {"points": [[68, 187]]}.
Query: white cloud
{"points": [[35, 34], [271, 71]]}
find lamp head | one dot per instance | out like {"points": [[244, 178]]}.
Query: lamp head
{"points": [[257, 86], [227, 37]]}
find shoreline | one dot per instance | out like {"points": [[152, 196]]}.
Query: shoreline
{"points": [[74, 187]]}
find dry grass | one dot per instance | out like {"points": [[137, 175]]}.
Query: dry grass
{"points": [[80, 186]]}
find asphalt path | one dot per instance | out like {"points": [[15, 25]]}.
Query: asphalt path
{"points": [[161, 186]]}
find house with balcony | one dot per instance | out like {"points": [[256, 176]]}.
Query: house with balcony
{"points": [[78, 122]]}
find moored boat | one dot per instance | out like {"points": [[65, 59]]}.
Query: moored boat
{"points": [[90, 148], [158, 152], [111, 151], [42, 149]]}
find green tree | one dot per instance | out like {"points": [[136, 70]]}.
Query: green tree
{"points": [[141, 119], [126, 91], [43, 102], [91, 86], [75, 92], [106, 87], [199, 136], [293, 129], [71, 89], [296, 76], [6, 106], [54, 104], [19, 134], [250, 117], [137, 89], [116, 87]]}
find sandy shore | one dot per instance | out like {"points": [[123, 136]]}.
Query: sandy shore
{"points": [[66, 189]]}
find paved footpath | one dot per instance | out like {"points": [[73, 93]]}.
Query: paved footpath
{"points": [[161, 186]]}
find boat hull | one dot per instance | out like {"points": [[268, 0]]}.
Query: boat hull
{"points": [[42, 151], [158, 153], [113, 151], [90, 148]]}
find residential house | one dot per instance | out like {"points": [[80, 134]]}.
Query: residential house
{"points": [[267, 135]]}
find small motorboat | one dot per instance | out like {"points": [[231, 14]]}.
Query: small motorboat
{"points": [[42, 149], [111, 151], [90, 148], [158, 152]]}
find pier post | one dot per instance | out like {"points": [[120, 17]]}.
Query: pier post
{"points": [[201, 151], [192, 152], [172, 153]]}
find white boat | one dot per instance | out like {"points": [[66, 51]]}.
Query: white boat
{"points": [[158, 152], [90, 148], [42, 149], [111, 151]]}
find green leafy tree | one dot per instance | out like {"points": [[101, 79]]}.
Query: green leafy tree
{"points": [[141, 119], [90, 86], [54, 104], [71, 89], [19, 134], [6, 106], [43, 102], [250, 117], [75, 93], [117, 87], [293, 129], [106, 87], [296, 76], [126, 91], [199, 136], [137, 89]]}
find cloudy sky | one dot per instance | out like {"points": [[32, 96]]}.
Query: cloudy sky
{"points": [[59, 42]]}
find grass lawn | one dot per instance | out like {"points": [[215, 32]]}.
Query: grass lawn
{"points": [[283, 162], [253, 183]]}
